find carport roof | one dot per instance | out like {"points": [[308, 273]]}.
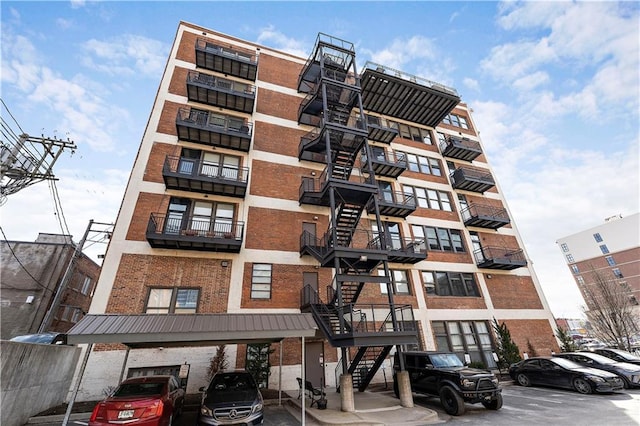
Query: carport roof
{"points": [[175, 330]]}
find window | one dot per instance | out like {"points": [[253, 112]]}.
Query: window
{"points": [[604, 249], [207, 218], [86, 286], [429, 198], [610, 260], [456, 120], [172, 301], [570, 258], [574, 268], [565, 247], [597, 237], [617, 273], [413, 133], [450, 284], [399, 280], [441, 138], [465, 337], [261, 281], [580, 279], [441, 239], [421, 164]]}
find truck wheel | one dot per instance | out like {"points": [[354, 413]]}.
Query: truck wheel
{"points": [[452, 402], [494, 404]]}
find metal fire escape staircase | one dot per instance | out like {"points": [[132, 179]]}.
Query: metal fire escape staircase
{"points": [[333, 105]]}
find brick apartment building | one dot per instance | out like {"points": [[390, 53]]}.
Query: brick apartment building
{"points": [[32, 273], [611, 249], [267, 182]]}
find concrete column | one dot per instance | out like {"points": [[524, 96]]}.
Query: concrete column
{"points": [[404, 389], [346, 393]]}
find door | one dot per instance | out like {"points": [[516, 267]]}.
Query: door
{"points": [[309, 233], [175, 216], [314, 363], [311, 279]]}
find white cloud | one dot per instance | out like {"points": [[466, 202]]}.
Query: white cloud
{"points": [[269, 36], [126, 55], [472, 84], [531, 81], [64, 24]]}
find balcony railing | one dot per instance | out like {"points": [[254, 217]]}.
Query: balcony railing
{"points": [[194, 233], [357, 190], [190, 174], [472, 179], [405, 250], [500, 258], [380, 130], [359, 248], [485, 216], [217, 91], [387, 163], [213, 129], [396, 204], [225, 60], [460, 148]]}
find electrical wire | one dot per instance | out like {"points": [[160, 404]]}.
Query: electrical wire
{"points": [[21, 265], [59, 209], [14, 119]]}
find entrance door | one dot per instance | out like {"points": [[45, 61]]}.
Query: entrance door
{"points": [[314, 363], [311, 279]]}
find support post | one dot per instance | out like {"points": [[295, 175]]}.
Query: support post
{"points": [[347, 401], [67, 414], [404, 389]]}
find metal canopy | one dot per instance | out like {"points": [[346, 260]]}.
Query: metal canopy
{"points": [[178, 330]]}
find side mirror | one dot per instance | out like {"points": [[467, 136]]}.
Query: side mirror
{"points": [[202, 389], [429, 366]]}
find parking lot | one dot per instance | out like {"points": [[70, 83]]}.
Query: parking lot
{"points": [[530, 406]]}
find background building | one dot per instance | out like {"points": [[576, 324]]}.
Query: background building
{"points": [[612, 248], [267, 182], [32, 273]]}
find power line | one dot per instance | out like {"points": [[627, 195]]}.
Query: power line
{"points": [[22, 266]]}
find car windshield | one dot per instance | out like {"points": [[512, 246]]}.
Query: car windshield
{"points": [[231, 381], [626, 355], [600, 359], [566, 363], [445, 360], [139, 389]]}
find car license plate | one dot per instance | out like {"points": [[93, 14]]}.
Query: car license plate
{"points": [[125, 414]]}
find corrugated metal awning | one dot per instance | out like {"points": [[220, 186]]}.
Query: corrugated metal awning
{"points": [[167, 330]]}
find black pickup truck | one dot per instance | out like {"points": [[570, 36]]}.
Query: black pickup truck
{"points": [[442, 374]]}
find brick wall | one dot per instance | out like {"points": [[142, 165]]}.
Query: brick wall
{"points": [[450, 302], [155, 162], [167, 122], [137, 273], [276, 180], [278, 104], [279, 140], [145, 205], [270, 229], [279, 71], [512, 292], [538, 332]]}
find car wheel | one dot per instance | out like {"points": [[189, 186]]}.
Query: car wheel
{"points": [[452, 402], [582, 386], [625, 382], [523, 380], [494, 404]]}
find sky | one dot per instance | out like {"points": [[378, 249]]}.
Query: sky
{"points": [[554, 88]]}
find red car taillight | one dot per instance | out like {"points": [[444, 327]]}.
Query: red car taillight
{"points": [[154, 410], [98, 413]]}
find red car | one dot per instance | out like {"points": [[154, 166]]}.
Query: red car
{"points": [[141, 401]]}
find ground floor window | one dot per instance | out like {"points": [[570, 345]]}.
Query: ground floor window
{"points": [[470, 338], [172, 301]]}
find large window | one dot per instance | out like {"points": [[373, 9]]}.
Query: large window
{"points": [[429, 198], [604, 249], [597, 237], [261, 281], [86, 286], [422, 164], [414, 133], [465, 337], [610, 260], [399, 279], [172, 301], [441, 239], [450, 283], [456, 120]]}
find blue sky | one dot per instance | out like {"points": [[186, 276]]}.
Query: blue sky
{"points": [[554, 87]]}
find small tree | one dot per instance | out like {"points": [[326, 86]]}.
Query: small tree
{"points": [[530, 349], [218, 362], [567, 344], [507, 351], [610, 310], [258, 364]]}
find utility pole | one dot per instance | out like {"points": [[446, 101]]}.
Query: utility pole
{"points": [[55, 303]]}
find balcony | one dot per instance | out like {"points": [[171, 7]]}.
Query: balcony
{"points": [[472, 179], [380, 130], [220, 92], [342, 139], [213, 129], [358, 190], [406, 250], [485, 216], [387, 163], [190, 174], [396, 204], [499, 258], [194, 233], [331, 58], [393, 93], [225, 60], [356, 250], [460, 148]]}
